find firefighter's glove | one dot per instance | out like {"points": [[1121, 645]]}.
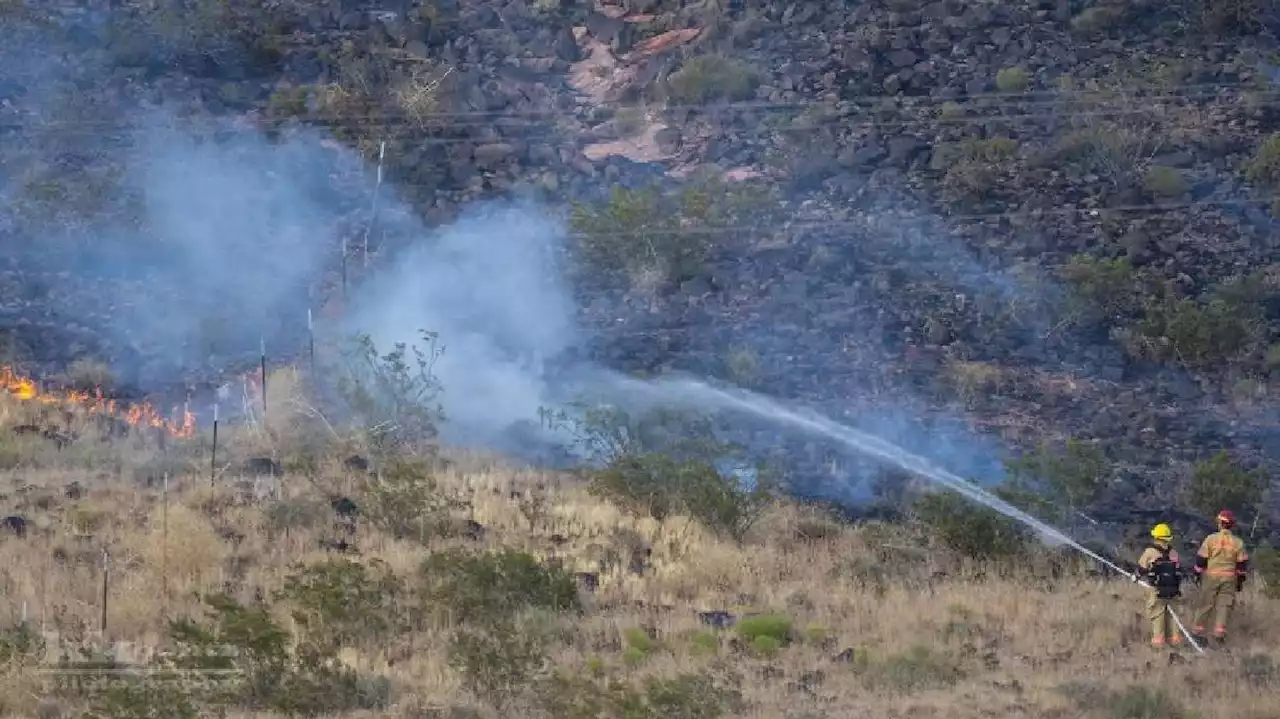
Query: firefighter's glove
{"points": [[1196, 578], [1240, 583]]}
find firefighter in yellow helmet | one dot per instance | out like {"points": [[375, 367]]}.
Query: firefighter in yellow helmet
{"points": [[1160, 567], [1222, 564]]}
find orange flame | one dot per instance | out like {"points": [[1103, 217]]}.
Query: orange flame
{"points": [[181, 423]]}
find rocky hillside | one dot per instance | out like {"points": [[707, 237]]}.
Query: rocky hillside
{"points": [[1050, 219]]}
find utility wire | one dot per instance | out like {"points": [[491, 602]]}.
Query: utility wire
{"points": [[1015, 100], [121, 131]]}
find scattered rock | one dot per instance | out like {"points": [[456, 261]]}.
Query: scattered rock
{"points": [[15, 525], [264, 466]]}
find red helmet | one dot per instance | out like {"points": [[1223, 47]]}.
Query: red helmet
{"points": [[1227, 518]]}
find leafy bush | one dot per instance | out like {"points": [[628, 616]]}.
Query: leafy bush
{"points": [[662, 462], [394, 396], [1266, 562], [486, 587], [1166, 182], [775, 626], [1264, 166], [1054, 482], [1099, 18], [710, 77], [142, 700], [19, 643], [651, 237], [969, 529], [262, 669], [660, 486], [974, 167], [1231, 16], [1013, 79], [688, 696], [341, 602], [497, 662], [403, 499], [1102, 290], [1196, 333], [1142, 702], [917, 669], [1219, 482]]}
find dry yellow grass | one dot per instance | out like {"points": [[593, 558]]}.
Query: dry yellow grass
{"points": [[1024, 648]]}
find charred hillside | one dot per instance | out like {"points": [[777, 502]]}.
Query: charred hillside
{"points": [[1043, 220]]}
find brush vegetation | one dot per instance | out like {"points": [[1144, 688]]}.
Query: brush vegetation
{"points": [[647, 585]]}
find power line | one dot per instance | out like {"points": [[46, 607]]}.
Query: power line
{"points": [[1028, 99], [842, 123]]}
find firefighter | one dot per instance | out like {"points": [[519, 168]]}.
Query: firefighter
{"points": [[1222, 565], [1160, 568]]}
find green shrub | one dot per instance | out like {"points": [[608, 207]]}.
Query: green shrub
{"points": [[1053, 481], [703, 642], [660, 463], [1266, 562], [140, 699], [263, 670], [497, 662], [638, 638], [1013, 79], [634, 656], [629, 121], [660, 486], [1098, 19], [969, 529], [341, 602], [653, 237], [688, 696], [1272, 358], [974, 167], [484, 587], [404, 500], [917, 669], [1141, 702], [1219, 482], [765, 646], [1264, 167], [774, 626], [742, 367], [1196, 333], [1165, 182], [1231, 16], [18, 643], [1102, 289], [710, 77], [394, 397]]}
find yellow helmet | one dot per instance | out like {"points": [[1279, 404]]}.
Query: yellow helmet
{"points": [[1162, 531]]}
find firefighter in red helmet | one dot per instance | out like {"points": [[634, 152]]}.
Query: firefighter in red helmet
{"points": [[1221, 567]]}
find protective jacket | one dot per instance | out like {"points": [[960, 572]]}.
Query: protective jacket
{"points": [[1222, 564], [1222, 555]]}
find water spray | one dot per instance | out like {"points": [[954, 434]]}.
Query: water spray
{"points": [[749, 402]]}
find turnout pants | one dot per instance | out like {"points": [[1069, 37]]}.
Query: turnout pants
{"points": [[1163, 628], [1216, 600]]}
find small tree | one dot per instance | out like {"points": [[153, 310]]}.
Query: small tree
{"points": [[394, 397], [1058, 482], [497, 662], [481, 587], [969, 529], [1219, 482], [403, 499], [341, 602], [663, 462]]}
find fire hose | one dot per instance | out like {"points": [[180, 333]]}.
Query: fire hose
{"points": [[1176, 619]]}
